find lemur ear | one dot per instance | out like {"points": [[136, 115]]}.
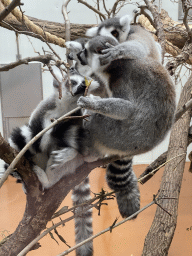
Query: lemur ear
{"points": [[92, 32], [125, 20], [55, 83], [72, 45]]}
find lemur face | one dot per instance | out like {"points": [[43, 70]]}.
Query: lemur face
{"points": [[77, 82], [75, 47], [117, 28], [90, 55]]}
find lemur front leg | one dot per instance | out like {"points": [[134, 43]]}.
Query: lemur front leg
{"points": [[127, 50], [112, 107]]}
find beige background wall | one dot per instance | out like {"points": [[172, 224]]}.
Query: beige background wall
{"points": [[125, 240]]}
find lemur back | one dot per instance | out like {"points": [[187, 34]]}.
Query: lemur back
{"points": [[45, 151]]}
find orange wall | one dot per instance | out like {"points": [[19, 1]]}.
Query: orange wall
{"points": [[125, 240]]}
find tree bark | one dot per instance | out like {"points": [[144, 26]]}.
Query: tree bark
{"points": [[160, 235]]}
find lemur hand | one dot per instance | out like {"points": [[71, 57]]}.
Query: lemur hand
{"points": [[110, 54], [88, 102]]}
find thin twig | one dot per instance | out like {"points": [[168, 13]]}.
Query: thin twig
{"points": [[104, 5], [113, 10], [142, 11], [67, 27], [109, 229], [56, 78], [92, 8], [186, 9], [61, 212], [155, 170], [158, 25]]}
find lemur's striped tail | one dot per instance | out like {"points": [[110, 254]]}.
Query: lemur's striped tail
{"points": [[121, 178], [83, 222], [20, 136]]}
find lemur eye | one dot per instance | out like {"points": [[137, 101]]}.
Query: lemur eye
{"points": [[115, 33], [73, 82], [83, 83], [85, 52]]}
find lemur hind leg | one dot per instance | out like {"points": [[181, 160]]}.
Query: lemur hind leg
{"points": [[68, 159], [121, 178]]}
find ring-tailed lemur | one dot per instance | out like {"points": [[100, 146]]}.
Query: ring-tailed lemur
{"points": [[45, 151], [133, 121], [121, 30]]}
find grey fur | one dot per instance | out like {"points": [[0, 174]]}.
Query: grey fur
{"points": [[75, 47], [140, 112], [135, 41], [136, 118]]}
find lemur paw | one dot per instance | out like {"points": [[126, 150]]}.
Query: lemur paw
{"points": [[108, 56], [58, 156], [88, 102]]}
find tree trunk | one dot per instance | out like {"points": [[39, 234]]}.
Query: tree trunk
{"points": [[160, 235]]}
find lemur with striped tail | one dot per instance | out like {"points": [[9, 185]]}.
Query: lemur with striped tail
{"points": [[44, 152]]}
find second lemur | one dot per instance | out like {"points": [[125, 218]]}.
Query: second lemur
{"points": [[45, 151]]}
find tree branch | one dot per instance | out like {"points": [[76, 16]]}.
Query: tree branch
{"points": [[45, 59], [34, 28], [158, 25], [92, 8]]}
